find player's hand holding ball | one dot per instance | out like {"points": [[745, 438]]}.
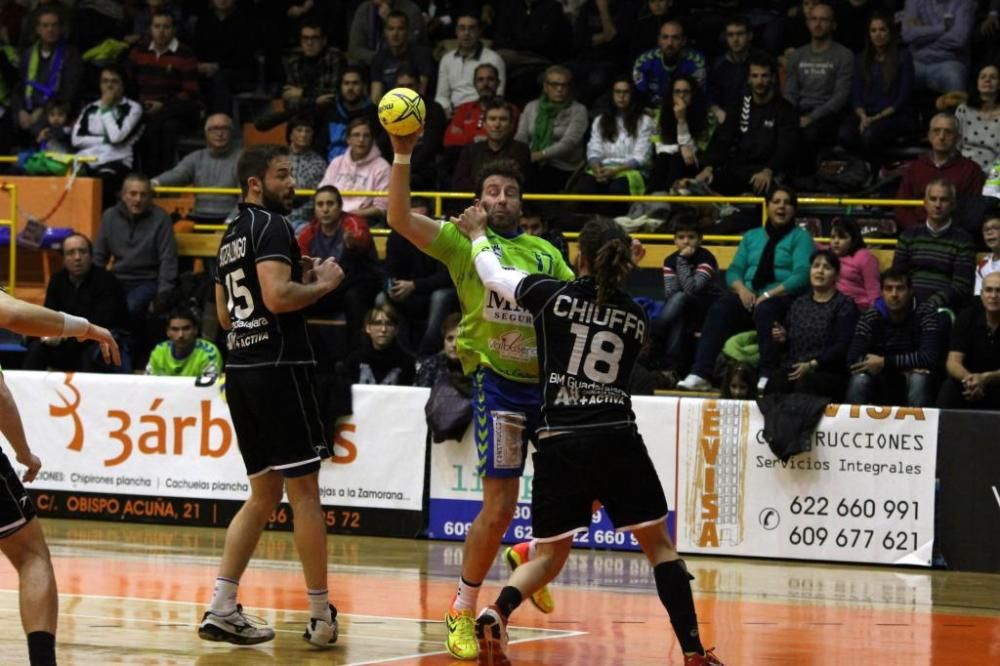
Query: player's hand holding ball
{"points": [[402, 112]]}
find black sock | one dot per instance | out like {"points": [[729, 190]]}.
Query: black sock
{"points": [[41, 648], [673, 584], [510, 598]]}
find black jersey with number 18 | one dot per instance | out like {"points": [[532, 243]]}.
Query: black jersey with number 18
{"points": [[586, 352], [259, 337]]}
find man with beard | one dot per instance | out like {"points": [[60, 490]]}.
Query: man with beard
{"points": [[497, 347], [757, 141], [499, 144], [655, 70], [263, 284]]}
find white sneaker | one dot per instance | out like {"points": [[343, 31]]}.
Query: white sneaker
{"points": [[761, 385], [694, 383], [235, 628], [491, 633], [320, 632]]}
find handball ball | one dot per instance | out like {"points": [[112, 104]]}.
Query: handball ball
{"points": [[401, 111]]}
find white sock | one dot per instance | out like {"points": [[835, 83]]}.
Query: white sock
{"points": [[467, 595], [319, 605], [224, 596]]}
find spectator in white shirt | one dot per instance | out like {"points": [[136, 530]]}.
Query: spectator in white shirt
{"points": [[457, 69]]}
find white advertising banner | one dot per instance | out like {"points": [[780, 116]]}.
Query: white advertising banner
{"points": [[165, 436], [864, 493]]}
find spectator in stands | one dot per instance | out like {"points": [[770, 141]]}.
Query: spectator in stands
{"points": [[818, 84], [107, 130], [973, 364], [347, 239], [51, 68], [619, 151], [425, 157], [219, 38], [816, 333], [853, 17], [381, 360], [312, 72], [80, 288], [990, 263], [139, 237], [938, 256], [683, 128], [938, 34], [553, 127], [367, 27], [142, 18], [727, 77], [396, 52], [895, 350], [419, 287], [184, 353], [758, 145], [211, 166], [690, 287], [499, 144], [943, 161], [880, 92], [535, 223], [445, 363], [770, 268], [647, 26], [352, 102], [979, 119], [738, 381], [458, 72], [858, 277], [530, 35], [785, 33], [308, 167], [655, 69], [360, 169], [468, 122], [54, 132], [601, 30], [165, 74]]}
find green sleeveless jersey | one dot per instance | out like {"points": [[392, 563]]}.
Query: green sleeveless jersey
{"points": [[494, 332], [203, 360]]}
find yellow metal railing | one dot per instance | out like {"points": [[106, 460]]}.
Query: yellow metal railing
{"points": [[11, 222]]}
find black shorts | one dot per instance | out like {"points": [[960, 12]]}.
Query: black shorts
{"points": [[16, 507], [573, 470], [276, 416]]}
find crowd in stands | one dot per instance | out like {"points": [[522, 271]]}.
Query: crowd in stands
{"points": [[630, 97]]}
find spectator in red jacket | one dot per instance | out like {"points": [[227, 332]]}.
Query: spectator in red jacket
{"points": [[942, 161]]}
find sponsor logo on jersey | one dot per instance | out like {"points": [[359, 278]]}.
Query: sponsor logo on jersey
{"points": [[499, 310]]}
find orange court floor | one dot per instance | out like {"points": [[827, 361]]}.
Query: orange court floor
{"points": [[133, 594]]}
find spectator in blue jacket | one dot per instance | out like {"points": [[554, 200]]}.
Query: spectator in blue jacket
{"points": [[655, 69]]}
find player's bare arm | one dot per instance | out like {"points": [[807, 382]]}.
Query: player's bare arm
{"points": [[418, 229], [282, 294], [221, 311], [36, 321], [13, 430]]}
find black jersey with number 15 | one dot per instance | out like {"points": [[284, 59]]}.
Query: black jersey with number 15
{"points": [[259, 337], [586, 351]]}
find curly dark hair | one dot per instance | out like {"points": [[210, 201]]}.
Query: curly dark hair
{"points": [[607, 249], [500, 167], [630, 115], [696, 116]]}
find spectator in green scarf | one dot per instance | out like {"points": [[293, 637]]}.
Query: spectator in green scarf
{"points": [[553, 125]]}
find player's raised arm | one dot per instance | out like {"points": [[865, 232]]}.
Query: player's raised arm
{"points": [[504, 281], [418, 229]]}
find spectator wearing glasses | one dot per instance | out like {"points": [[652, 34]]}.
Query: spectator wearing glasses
{"points": [[553, 126], [312, 72], [683, 129], [212, 166]]}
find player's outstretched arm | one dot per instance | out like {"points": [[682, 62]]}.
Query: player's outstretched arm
{"points": [[418, 229], [472, 223], [36, 321]]}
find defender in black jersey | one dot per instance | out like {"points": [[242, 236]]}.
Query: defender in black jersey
{"points": [[262, 285], [21, 538], [589, 335]]}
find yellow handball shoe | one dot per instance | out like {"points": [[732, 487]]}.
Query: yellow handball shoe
{"points": [[517, 555], [461, 641]]}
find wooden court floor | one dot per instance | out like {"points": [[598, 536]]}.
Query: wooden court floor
{"points": [[133, 594]]}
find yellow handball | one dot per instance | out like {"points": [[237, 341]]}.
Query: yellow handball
{"points": [[401, 111]]}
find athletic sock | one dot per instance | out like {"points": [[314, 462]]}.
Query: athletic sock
{"points": [[224, 596], [319, 604], [510, 598], [467, 595], [673, 585], [41, 649]]}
